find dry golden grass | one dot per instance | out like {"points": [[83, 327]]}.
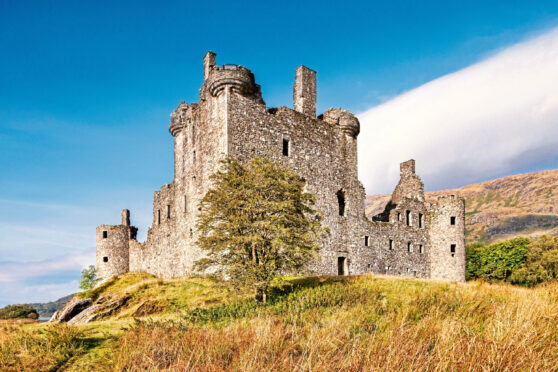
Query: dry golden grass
{"points": [[317, 324], [397, 325]]}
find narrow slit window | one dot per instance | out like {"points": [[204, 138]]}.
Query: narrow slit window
{"points": [[452, 220], [390, 244], [409, 247], [366, 241], [194, 154], [341, 202], [452, 249], [158, 216], [408, 218], [421, 217], [285, 147], [168, 211], [421, 249], [105, 234], [398, 216]]}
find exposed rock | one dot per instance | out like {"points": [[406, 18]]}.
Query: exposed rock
{"points": [[75, 306]]}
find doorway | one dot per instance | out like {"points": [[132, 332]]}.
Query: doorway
{"points": [[341, 266]]}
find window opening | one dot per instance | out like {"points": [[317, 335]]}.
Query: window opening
{"points": [[452, 220], [366, 241], [285, 147], [408, 218], [341, 202], [105, 234]]}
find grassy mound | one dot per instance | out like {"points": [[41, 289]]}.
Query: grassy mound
{"points": [[350, 323]]}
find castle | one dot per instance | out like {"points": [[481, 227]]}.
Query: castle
{"points": [[411, 237]]}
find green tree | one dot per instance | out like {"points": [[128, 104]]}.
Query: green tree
{"points": [[257, 223], [88, 278], [496, 262], [541, 264]]}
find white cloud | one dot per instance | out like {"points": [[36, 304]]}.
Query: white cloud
{"points": [[41, 281], [493, 117]]}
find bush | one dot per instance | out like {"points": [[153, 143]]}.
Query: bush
{"points": [[541, 263], [496, 262], [18, 311]]}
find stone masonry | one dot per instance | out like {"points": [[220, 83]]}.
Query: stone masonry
{"points": [[411, 237]]}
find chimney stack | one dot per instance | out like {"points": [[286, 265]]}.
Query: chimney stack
{"points": [[407, 168], [208, 61], [125, 217], [304, 91]]}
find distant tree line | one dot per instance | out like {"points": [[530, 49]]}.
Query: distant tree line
{"points": [[18, 312], [518, 261]]}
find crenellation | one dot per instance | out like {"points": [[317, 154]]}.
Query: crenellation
{"points": [[410, 238]]}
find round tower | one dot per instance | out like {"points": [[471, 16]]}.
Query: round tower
{"points": [[234, 78], [447, 239], [113, 256]]}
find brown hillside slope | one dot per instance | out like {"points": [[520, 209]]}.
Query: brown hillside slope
{"points": [[524, 204]]}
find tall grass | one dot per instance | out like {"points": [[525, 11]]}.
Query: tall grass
{"points": [[38, 348], [363, 324]]}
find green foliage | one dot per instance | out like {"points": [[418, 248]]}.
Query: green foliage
{"points": [[541, 264], [18, 311], [257, 223], [496, 262], [88, 278]]}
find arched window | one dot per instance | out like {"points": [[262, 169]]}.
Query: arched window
{"points": [[341, 202]]}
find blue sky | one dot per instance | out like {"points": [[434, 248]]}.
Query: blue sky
{"points": [[86, 90]]}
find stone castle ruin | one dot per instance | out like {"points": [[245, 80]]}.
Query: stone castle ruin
{"points": [[411, 237]]}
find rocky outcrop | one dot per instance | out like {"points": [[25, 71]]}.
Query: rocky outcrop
{"points": [[75, 306], [84, 310]]}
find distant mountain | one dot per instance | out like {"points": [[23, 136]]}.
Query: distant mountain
{"points": [[48, 308], [524, 204]]}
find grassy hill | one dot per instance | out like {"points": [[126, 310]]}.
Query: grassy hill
{"points": [[520, 205], [318, 324]]}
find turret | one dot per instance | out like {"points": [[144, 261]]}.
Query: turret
{"points": [[182, 118], [447, 238], [344, 120], [113, 247], [232, 78]]}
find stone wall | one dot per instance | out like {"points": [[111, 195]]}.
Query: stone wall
{"points": [[112, 250], [447, 230]]}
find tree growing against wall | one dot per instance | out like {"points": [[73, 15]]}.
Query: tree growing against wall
{"points": [[88, 278], [257, 223]]}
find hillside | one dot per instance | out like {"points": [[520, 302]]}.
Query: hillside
{"points": [[46, 309], [524, 204], [319, 324]]}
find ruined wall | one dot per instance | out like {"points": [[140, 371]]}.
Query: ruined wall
{"points": [[318, 150], [448, 263]]}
